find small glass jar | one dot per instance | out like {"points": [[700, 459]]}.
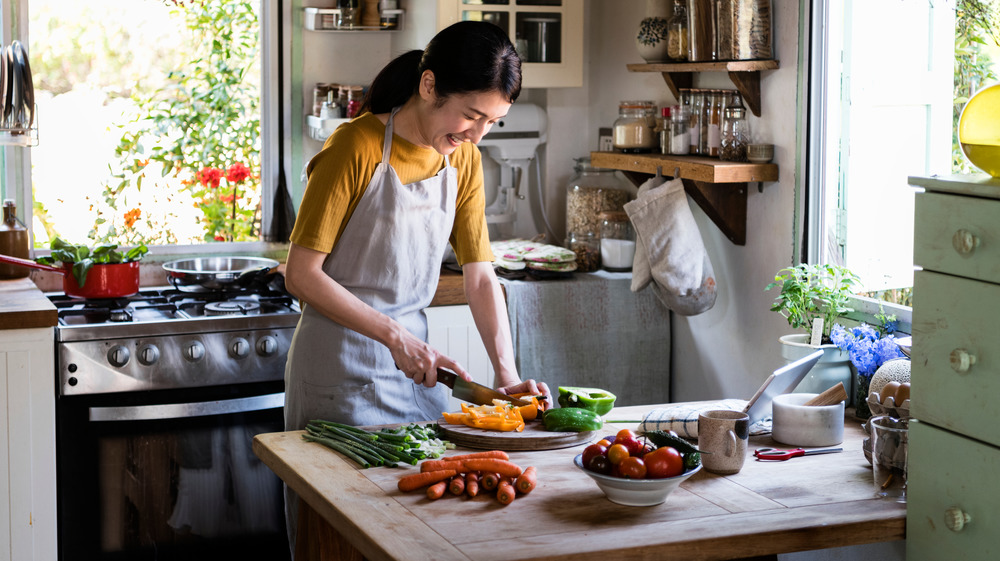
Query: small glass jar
{"points": [[663, 130], [679, 131], [354, 94], [590, 192], [635, 129], [587, 248], [735, 131], [677, 33], [617, 242], [694, 128]]}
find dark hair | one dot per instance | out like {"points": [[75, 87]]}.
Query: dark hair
{"points": [[466, 57]]}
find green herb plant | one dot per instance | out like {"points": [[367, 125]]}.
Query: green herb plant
{"points": [[83, 258], [813, 291]]}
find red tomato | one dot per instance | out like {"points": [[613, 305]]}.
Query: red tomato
{"points": [[631, 443], [607, 443], [600, 464], [593, 450], [663, 462], [625, 433], [617, 453], [633, 468]]}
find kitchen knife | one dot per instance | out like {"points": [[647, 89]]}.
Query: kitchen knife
{"points": [[473, 392]]}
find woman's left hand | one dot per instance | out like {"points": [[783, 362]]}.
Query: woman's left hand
{"points": [[529, 386]]}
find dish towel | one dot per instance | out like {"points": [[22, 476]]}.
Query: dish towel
{"points": [[682, 418], [679, 268]]}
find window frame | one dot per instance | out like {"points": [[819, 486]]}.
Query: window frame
{"points": [[275, 18]]}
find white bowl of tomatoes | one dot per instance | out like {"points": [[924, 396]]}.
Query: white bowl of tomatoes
{"points": [[633, 471]]}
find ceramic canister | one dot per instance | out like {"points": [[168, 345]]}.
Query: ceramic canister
{"points": [[806, 425]]}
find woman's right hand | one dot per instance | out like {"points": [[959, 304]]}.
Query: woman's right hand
{"points": [[420, 361]]}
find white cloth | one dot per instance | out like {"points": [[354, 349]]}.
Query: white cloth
{"points": [[681, 272], [641, 273], [682, 418]]}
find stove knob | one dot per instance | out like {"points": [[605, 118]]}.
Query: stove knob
{"points": [[239, 348], [118, 356], [267, 346], [149, 354], [194, 351]]}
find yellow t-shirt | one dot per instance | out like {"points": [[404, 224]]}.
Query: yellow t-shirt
{"points": [[340, 173]]}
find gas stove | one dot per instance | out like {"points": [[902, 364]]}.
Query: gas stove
{"points": [[164, 338]]}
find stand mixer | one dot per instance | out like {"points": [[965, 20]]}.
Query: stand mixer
{"points": [[512, 143]]}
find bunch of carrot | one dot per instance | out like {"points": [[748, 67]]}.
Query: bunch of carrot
{"points": [[469, 474]]}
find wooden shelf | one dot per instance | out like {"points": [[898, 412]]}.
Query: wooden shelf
{"points": [[745, 75], [720, 188]]}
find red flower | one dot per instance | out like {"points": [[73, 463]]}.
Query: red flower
{"points": [[220, 239], [237, 173], [209, 176], [228, 198]]}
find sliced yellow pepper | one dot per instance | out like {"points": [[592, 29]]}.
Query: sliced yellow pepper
{"points": [[501, 416]]}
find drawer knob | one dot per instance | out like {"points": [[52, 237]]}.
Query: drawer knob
{"points": [[956, 519], [964, 241], [961, 360]]}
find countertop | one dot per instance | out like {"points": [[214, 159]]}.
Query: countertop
{"points": [[806, 503], [23, 306]]}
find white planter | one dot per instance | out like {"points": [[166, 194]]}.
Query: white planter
{"points": [[834, 366]]}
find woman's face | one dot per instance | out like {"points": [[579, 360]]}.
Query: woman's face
{"points": [[462, 118]]}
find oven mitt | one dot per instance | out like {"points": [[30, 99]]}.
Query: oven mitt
{"points": [[641, 274], [682, 274]]}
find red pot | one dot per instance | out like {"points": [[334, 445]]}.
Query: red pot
{"points": [[103, 281]]}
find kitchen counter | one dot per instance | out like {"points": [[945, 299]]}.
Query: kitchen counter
{"points": [[806, 503], [23, 306]]}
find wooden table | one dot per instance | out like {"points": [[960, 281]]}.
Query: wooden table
{"points": [[806, 503]]}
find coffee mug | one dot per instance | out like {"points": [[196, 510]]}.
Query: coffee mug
{"points": [[723, 436]]}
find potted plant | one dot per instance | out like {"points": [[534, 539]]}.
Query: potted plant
{"points": [[809, 292]]}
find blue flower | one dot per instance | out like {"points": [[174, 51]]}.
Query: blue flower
{"points": [[866, 349]]}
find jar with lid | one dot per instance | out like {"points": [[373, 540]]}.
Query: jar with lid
{"points": [[13, 242], [590, 192], [735, 131], [617, 242], [663, 130], [694, 126], [678, 131], [587, 248], [711, 127], [677, 33], [634, 130]]}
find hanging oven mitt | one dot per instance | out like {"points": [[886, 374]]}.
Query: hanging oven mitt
{"points": [[641, 273], [682, 274]]}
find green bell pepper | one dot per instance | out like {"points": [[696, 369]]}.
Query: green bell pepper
{"points": [[593, 399], [571, 419]]}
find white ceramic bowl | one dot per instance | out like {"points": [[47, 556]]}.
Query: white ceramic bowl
{"points": [[760, 153], [635, 492], [806, 425]]}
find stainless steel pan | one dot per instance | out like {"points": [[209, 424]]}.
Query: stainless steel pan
{"points": [[208, 274]]}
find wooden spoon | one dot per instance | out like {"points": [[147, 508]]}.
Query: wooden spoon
{"points": [[832, 396]]}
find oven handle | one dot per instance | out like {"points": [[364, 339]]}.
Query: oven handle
{"points": [[183, 410]]}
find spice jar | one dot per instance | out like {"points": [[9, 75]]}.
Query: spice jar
{"points": [[634, 130], [694, 127], [587, 249], [617, 242], [13, 242], [735, 131], [678, 131], [590, 192]]}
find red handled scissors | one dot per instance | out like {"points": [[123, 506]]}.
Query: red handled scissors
{"points": [[781, 455]]}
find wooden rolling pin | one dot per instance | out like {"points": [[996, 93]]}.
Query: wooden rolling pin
{"points": [[832, 396]]}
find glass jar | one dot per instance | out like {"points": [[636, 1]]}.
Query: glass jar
{"points": [[354, 95], [13, 241], [704, 120], [735, 131], [587, 248], [617, 242], [590, 192], [679, 131], [677, 33], [714, 129], [663, 130], [634, 130], [694, 127]]}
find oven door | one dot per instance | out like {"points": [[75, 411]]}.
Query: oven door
{"points": [[169, 475]]}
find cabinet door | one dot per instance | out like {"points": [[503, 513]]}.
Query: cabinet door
{"points": [[950, 476], [547, 33]]}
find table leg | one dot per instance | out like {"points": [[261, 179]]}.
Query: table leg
{"points": [[317, 540]]}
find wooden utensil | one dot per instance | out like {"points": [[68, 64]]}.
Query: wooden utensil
{"points": [[832, 396]]}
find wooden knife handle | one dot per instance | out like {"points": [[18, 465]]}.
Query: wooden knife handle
{"points": [[832, 396]]}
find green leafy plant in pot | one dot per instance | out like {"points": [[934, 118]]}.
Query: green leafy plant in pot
{"points": [[808, 292]]}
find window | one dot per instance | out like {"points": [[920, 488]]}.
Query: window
{"points": [[884, 97], [153, 117]]}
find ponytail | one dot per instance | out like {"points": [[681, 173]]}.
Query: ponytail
{"points": [[466, 57]]}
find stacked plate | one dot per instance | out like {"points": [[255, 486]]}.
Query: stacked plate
{"points": [[538, 259], [17, 93]]}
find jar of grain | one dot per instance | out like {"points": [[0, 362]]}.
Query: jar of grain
{"points": [[590, 192], [635, 129], [587, 248]]}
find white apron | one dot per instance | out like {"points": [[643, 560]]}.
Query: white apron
{"points": [[390, 257]]}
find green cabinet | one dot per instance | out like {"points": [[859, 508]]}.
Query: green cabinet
{"points": [[954, 444]]}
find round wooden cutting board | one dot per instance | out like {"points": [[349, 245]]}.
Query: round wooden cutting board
{"points": [[533, 437]]}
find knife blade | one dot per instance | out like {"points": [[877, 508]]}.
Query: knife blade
{"points": [[473, 392]]}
